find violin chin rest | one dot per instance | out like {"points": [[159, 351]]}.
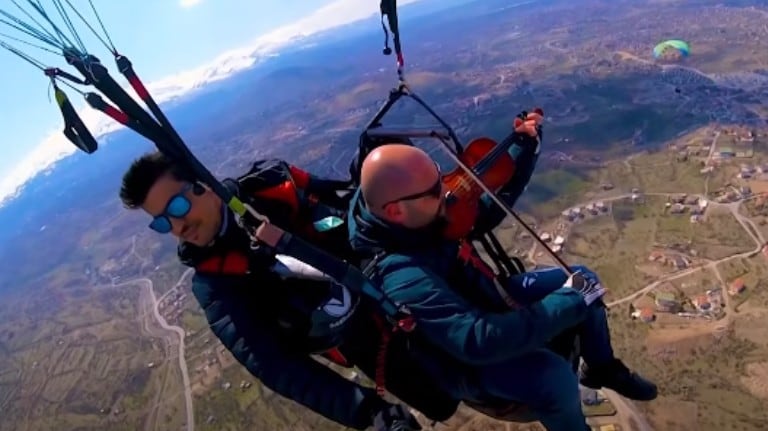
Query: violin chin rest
{"points": [[450, 198]]}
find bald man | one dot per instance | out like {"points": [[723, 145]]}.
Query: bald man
{"points": [[475, 345]]}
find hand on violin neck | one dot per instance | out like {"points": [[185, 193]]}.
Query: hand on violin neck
{"points": [[529, 123]]}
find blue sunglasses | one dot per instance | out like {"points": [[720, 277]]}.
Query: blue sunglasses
{"points": [[177, 207]]}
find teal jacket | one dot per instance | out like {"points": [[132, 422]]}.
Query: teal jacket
{"points": [[456, 307]]}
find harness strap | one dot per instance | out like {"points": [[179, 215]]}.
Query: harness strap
{"points": [[335, 356], [232, 263], [344, 273], [380, 376]]}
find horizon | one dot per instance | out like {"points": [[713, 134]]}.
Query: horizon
{"points": [[54, 148]]}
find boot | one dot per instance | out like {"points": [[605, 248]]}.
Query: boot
{"points": [[617, 377]]}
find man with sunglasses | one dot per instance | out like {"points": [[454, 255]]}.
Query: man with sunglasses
{"points": [[481, 337], [271, 312]]}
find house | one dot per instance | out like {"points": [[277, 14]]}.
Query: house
{"points": [[680, 262], [677, 209], [679, 199], [667, 302], [692, 200], [645, 315], [726, 152], [747, 136], [696, 218], [702, 303], [703, 204], [736, 287], [591, 209], [546, 237], [559, 240], [557, 248], [656, 255], [600, 205], [745, 190]]}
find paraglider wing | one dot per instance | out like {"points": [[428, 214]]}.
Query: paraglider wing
{"points": [[680, 46]]}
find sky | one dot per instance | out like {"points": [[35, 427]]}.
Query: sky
{"points": [[172, 44]]}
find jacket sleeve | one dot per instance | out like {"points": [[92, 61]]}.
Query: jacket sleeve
{"points": [[297, 377], [525, 153], [471, 335]]}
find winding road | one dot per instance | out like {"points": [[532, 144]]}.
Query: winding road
{"points": [[151, 305]]}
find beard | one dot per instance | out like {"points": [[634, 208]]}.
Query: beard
{"points": [[436, 228]]}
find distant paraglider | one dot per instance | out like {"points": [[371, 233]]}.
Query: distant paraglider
{"points": [[671, 49]]}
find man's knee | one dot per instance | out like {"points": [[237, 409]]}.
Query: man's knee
{"points": [[548, 383]]}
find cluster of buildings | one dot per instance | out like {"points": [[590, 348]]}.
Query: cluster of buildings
{"points": [[591, 209], [683, 203], [741, 143], [733, 194], [709, 304], [747, 172], [677, 261], [557, 242], [172, 305]]}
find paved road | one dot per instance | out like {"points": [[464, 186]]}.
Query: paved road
{"points": [[153, 305]]}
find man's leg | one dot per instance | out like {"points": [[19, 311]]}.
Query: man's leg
{"points": [[544, 382], [603, 369], [593, 332]]}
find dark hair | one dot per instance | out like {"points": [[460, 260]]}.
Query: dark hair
{"points": [[142, 175]]}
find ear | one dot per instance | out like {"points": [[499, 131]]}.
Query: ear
{"points": [[393, 212]]}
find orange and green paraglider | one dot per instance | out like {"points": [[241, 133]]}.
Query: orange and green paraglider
{"points": [[671, 48]]}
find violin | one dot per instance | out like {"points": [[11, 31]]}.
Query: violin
{"points": [[491, 163]]}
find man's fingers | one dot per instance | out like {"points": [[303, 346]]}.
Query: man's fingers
{"points": [[528, 127], [535, 117]]}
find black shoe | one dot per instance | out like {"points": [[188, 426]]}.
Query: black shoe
{"points": [[616, 376]]}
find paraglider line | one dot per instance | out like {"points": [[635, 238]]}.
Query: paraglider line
{"points": [[110, 46], [29, 30], [41, 10], [104, 29], [68, 23], [16, 39], [41, 29], [29, 59]]}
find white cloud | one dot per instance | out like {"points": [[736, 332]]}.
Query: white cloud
{"points": [[189, 3], [55, 147]]}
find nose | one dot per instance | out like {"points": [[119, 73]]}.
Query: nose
{"points": [[177, 226]]}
